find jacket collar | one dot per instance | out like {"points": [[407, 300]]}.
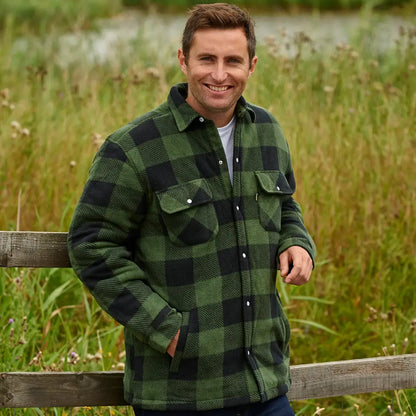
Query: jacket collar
{"points": [[184, 114]]}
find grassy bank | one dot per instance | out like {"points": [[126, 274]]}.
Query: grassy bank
{"points": [[350, 119]]}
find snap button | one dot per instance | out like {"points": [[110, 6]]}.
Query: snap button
{"points": [[278, 187], [248, 303], [244, 255], [237, 208], [189, 201], [220, 162], [237, 160], [201, 119]]}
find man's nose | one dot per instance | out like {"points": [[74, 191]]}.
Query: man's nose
{"points": [[219, 74]]}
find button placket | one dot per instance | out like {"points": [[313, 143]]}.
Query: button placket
{"points": [[238, 211], [238, 207]]}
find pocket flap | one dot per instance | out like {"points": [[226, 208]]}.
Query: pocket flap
{"points": [[185, 195], [273, 182]]}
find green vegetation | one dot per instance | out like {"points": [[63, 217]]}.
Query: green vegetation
{"points": [[165, 5], [350, 119], [39, 17], [33, 16]]}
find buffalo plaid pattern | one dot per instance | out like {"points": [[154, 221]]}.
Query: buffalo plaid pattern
{"points": [[164, 241]]}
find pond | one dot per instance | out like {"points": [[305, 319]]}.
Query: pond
{"points": [[120, 36]]}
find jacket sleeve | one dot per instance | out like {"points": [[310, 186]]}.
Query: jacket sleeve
{"points": [[293, 231], [104, 227]]}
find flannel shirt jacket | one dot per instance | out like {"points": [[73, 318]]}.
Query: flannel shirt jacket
{"points": [[164, 241]]}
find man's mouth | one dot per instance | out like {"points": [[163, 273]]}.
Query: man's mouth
{"points": [[217, 89]]}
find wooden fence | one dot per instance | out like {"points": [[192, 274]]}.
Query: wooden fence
{"points": [[72, 389]]}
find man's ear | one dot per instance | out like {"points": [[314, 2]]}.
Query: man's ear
{"points": [[182, 61], [253, 65]]}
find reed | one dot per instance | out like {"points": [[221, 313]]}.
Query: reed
{"points": [[350, 120]]}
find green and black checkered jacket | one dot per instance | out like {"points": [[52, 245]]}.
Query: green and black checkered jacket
{"points": [[164, 242]]}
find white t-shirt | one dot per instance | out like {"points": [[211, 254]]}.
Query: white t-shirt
{"points": [[227, 138]]}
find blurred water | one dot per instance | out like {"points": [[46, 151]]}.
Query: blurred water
{"points": [[125, 35]]}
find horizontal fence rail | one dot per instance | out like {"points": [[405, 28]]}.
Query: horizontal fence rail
{"points": [[33, 249], [309, 381], [70, 389], [61, 389]]}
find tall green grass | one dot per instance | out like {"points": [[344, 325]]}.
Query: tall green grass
{"points": [[34, 16], [350, 119]]}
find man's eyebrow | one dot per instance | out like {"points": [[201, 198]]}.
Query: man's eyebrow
{"points": [[238, 57], [205, 54], [213, 55]]}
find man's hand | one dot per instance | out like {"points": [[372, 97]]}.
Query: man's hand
{"points": [[172, 346], [295, 265]]}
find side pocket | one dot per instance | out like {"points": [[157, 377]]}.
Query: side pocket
{"points": [[180, 348], [273, 189], [282, 326]]}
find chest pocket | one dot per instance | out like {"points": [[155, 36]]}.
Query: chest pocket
{"points": [[188, 212], [273, 189]]}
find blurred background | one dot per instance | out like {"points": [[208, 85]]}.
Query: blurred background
{"points": [[339, 75]]}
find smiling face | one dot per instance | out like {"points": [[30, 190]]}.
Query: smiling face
{"points": [[217, 70]]}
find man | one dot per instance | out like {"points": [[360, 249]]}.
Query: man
{"points": [[186, 214]]}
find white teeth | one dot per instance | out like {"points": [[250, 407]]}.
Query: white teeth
{"points": [[211, 87]]}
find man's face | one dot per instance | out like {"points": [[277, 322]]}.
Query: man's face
{"points": [[217, 70]]}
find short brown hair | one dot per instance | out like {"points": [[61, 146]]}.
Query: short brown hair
{"points": [[218, 16]]}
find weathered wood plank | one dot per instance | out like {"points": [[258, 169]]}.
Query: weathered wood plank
{"points": [[308, 381], [340, 378], [33, 249], [64, 389]]}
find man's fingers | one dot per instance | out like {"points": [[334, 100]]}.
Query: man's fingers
{"points": [[295, 266], [299, 275], [284, 265]]}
